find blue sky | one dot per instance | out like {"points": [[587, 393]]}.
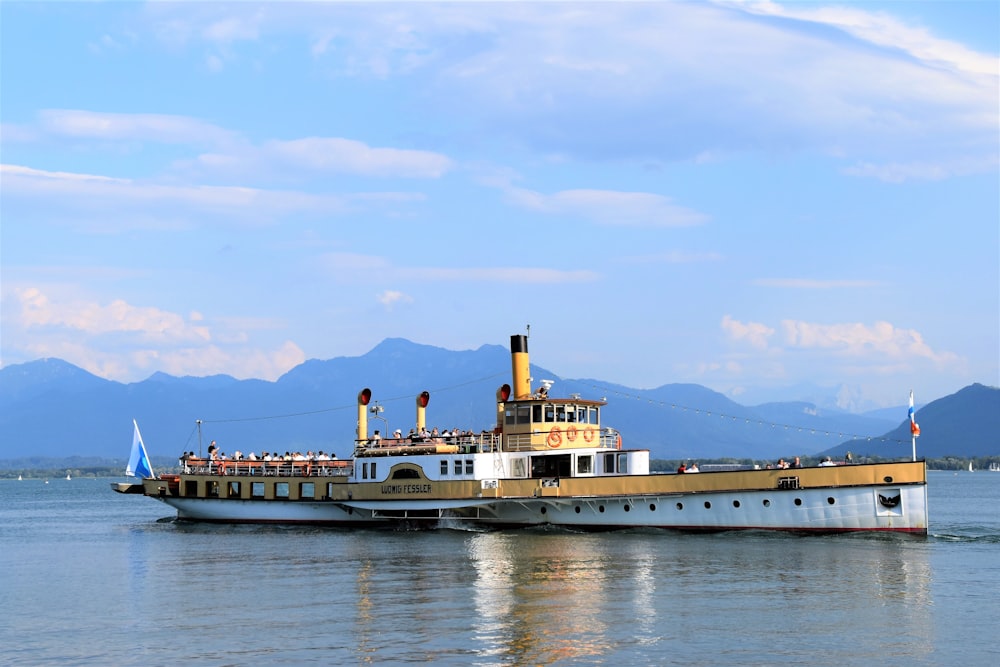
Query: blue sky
{"points": [[756, 197]]}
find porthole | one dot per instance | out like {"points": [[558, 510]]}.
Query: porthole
{"points": [[798, 501], [831, 500], [544, 510], [680, 506], [888, 479], [767, 503], [628, 508], [577, 509], [652, 507], [601, 509], [736, 503], [708, 505]]}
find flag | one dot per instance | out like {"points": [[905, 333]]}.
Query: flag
{"points": [[914, 427], [138, 462]]}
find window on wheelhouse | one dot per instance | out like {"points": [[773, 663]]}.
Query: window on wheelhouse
{"points": [[609, 464], [585, 465]]}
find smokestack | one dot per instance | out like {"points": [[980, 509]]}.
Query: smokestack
{"points": [[422, 400], [364, 396], [520, 366]]}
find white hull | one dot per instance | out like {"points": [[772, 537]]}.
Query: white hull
{"points": [[803, 510]]}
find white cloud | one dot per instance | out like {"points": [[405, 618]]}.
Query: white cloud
{"points": [[857, 339], [250, 203], [125, 342], [356, 267], [390, 298], [156, 128], [755, 334], [882, 29], [355, 157], [609, 207], [811, 283], [145, 323]]}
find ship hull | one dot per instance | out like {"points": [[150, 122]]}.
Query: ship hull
{"points": [[820, 500]]}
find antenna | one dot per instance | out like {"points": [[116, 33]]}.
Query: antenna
{"points": [[528, 331]]}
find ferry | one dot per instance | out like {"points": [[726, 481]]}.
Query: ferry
{"points": [[547, 462]]}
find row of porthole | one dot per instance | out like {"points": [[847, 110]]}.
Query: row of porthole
{"points": [[708, 505]]}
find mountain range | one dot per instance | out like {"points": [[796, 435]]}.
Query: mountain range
{"points": [[50, 408]]}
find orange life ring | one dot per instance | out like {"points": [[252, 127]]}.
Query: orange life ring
{"points": [[555, 437], [571, 433], [588, 435], [619, 441]]}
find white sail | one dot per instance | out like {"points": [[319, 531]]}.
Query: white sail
{"points": [[138, 462]]}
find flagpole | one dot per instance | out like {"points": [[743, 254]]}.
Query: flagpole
{"points": [[914, 429]]}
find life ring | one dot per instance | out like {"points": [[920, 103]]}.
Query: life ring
{"points": [[588, 435], [618, 441], [571, 433], [555, 437]]}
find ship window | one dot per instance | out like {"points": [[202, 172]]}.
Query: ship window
{"points": [[234, 490], [374, 465], [536, 414], [190, 487], [307, 491], [594, 416], [444, 467], [508, 416], [468, 467], [213, 490], [364, 470], [623, 464], [406, 473], [281, 490], [257, 490], [517, 468], [609, 464], [523, 414], [550, 413], [584, 465], [581, 415], [561, 413], [458, 467]]}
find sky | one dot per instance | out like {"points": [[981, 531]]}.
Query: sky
{"points": [[758, 197]]}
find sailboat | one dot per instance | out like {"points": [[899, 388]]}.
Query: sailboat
{"points": [[68, 477], [19, 478], [970, 467], [995, 467]]}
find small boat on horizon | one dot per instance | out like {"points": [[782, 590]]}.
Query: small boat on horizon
{"points": [[547, 461]]}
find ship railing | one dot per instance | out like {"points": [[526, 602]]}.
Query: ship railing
{"points": [[522, 442], [476, 443], [246, 468]]}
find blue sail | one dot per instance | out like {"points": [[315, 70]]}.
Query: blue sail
{"points": [[138, 462]]}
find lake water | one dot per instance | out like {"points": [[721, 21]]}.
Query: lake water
{"points": [[91, 577]]}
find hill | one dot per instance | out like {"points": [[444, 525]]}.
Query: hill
{"points": [[49, 408], [964, 424]]}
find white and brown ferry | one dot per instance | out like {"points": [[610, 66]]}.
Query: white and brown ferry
{"points": [[548, 461]]}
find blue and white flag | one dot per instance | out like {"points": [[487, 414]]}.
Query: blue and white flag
{"points": [[138, 462]]}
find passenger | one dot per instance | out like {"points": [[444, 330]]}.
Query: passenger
{"points": [[376, 439], [796, 463], [397, 434], [827, 462], [213, 451], [693, 467], [681, 468], [782, 464]]}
